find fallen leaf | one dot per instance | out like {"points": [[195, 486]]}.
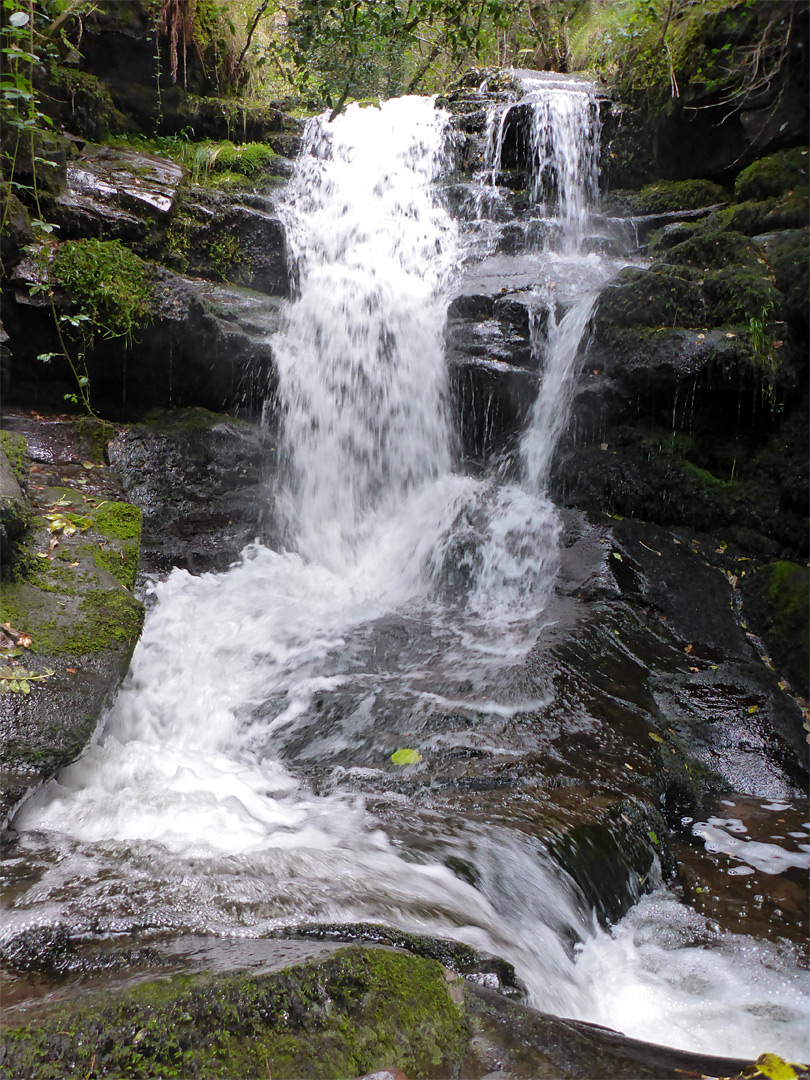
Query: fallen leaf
{"points": [[654, 737], [752, 709], [406, 757], [688, 649]]}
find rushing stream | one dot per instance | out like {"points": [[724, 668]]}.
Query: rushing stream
{"points": [[240, 783]]}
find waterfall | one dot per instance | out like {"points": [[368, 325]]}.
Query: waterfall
{"points": [[362, 382], [243, 782]]}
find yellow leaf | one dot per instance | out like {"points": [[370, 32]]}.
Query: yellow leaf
{"points": [[776, 1068], [406, 757], [654, 737], [753, 709]]}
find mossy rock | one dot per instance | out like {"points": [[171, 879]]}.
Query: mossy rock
{"points": [[715, 248], [15, 448], [776, 603], [15, 513], [739, 294], [664, 197], [358, 1011], [753, 217], [639, 297], [79, 100], [108, 283], [771, 176], [789, 254]]}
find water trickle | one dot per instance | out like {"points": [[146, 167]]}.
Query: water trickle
{"points": [[558, 125]]}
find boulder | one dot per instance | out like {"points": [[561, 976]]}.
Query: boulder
{"points": [[776, 600], [118, 194], [348, 1012], [70, 605], [202, 481]]}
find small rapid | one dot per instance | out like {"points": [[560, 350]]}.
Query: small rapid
{"points": [[241, 782]]}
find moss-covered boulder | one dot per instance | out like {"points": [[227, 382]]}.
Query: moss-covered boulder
{"points": [[359, 1010], [755, 216], [665, 196], [69, 603], [771, 176], [777, 606], [788, 253], [642, 297], [15, 514]]}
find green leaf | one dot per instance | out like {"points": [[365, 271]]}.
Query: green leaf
{"points": [[406, 757], [24, 686]]}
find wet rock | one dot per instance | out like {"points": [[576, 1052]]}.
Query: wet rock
{"points": [[117, 193], [640, 296], [16, 229], [514, 1041], [201, 480], [223, 238], [776, 599], [459, 958], [359, 1011], [15, 513], [71, 594], [54, 951], [199, 345]]}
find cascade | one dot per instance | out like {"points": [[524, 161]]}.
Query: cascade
{"points": [[229, 791]]}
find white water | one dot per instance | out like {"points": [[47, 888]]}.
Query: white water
{"points": [[193, 811]]}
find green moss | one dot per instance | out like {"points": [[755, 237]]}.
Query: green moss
{"points": [[249, 159], [109, 283], [108, 617], [16, 450], [650, 298], [119, 520], [360, 1010], [123, 564], [48, 576], [773, 175], [223, 251], [738, 294], [776, 602], [705, 479], [789, 211], [715, 248], [665, 196]]}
